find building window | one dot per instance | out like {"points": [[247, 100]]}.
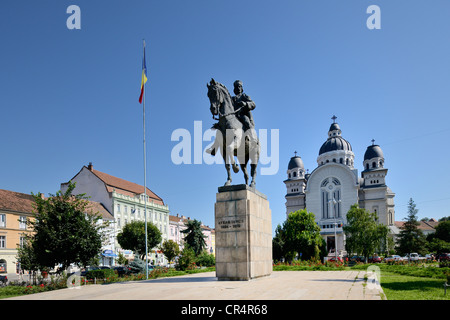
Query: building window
{"points": [[330, 198], [118, 207], [2, 242], [2, 220], [22, 222], [21, 242]]}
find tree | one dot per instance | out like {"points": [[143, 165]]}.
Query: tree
{"points": [[301, 235], [64, 231], [443, 231], [411, 238], [170, 249], [132, 237], [137, 265], [194, 236], [439, 241], [364, 235], [121, 259], [186, 259], [278, 245]]}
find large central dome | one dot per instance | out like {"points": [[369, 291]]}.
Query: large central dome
{"points": [[335, 141]]}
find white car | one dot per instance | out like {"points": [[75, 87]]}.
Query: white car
{"points": [[393, 258]]}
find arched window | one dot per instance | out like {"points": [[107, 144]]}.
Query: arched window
{"points": [[330, 190]]}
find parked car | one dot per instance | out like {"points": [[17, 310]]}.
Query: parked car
{"points": [[415, 257], [122, 270], [85, 270], [374, 259], [3, 280], [358, 259], [333, 258], [393, 258], [443, 257]]}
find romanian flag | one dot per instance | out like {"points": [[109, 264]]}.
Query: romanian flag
{"points": [[144, 76]]}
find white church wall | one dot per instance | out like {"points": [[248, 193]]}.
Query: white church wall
{"points": [[349, 188]]}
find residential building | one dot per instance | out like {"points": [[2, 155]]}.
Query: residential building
{"points": [[427, 227], [126, 201], [15, 209], [178, 224]]}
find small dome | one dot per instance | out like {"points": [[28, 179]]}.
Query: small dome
{"points": [[295, 162], [334, 126], [335, 140], [373, 151]]}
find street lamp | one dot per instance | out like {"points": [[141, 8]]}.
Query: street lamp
{"points": [[333, 201]]}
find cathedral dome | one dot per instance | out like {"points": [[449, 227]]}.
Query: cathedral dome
{"points": [[373, 151], [295, 162], [335, 141]]}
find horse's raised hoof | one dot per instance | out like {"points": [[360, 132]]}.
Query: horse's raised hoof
{"points": [[235, 168]]}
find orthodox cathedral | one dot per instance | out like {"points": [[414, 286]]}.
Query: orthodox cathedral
{"points": [[334, 186]]}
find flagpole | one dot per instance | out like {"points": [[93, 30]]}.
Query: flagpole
{"points": [[145, 183]]}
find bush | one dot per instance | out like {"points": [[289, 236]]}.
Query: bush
{"points": [[205, 259], [137, 266], [101, 274], [186, 260]]}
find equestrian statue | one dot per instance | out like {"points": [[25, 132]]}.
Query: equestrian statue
{"points": [[236, 135]]}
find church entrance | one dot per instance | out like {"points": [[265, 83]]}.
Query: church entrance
{"points": [[331, 244]]}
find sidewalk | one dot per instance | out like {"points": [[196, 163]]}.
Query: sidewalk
{"points": [[280, 285]]}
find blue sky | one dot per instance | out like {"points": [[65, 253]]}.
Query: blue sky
{"points": [[70, 97]]}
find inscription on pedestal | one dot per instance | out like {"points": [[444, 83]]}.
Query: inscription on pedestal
{"points": [[231, 224]]}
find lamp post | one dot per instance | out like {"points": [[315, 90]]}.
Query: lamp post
{"points": [[333, 201]]}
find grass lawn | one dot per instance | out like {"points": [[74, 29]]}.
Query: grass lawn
{"points": [[404, 287]]}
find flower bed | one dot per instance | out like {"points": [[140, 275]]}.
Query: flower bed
{"points": [[312, 265]]}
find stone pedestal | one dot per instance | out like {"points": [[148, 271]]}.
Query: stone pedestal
{"points": [[243, 224]]}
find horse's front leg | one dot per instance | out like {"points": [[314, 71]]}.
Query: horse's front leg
{"points": [[230, 157]]}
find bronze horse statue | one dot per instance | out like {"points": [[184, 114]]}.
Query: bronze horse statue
{"points": [[232, 140]]}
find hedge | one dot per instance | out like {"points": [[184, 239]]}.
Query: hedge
{"points": [[100, 274]]}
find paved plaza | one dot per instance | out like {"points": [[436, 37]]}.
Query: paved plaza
{"points": [[280, 285]]}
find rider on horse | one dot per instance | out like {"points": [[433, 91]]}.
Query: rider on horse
{"points": [[243, 106]]}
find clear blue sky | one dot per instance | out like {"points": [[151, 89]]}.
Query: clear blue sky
{"points": [[70, 97]]}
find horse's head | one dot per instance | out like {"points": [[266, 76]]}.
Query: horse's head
{"points": [[217, 94]]}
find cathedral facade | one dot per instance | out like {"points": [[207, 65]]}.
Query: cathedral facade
{"points": [[334, 186]]}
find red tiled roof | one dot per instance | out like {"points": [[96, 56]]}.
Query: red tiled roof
{"points": [[15, 201], [97, 207], [422, 225], [125, 187]]}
